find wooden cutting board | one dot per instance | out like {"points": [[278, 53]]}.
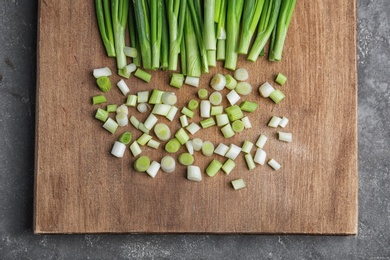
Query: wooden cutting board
{"points": [[81, 188]]}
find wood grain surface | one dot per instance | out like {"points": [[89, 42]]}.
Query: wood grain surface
{"points": [[81, 188]]}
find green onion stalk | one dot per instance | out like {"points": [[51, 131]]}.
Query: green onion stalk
{"points": [[103, 15], [143, 28], [193, 66], [119, 11], [164, 39], [156, 31], [209, 28], [134, 41], [221, 30]]}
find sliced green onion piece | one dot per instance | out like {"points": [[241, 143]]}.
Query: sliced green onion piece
{"points": [[190, 147], [285, 137], [169, 98], [142, 163], [122, 119], [177, 80], [228, 166], [192, 81], [134, 121], [193, 104], [215, 98], [222, 119], [101, 72], [123, 87], [153, 143], [172, 113], [213, 168], [162, 131], [186, 159], [143, 139], [193, 173], [183, 121], [233, 152], [122, 109], [238, 126], [153, 169], [233, 97], [277, 96], [186, 111], [266, 89], [172, 146], [193, 128], [231, 83], [141, 74], [261, 141], [260, 156], [281, 79], [221, 149], [203, 93], [182, 136], [205, 107], [104, 83], [243, 88], [234, 113], [247, 123], [161, 109], [150, 121], [216, 110], [206, 123], [101, 114], [156, 97], [197, 144], [143, 96], [135, 149], [249, 161], [98, 99], [110, 125], [143, 129], [118, 149], [111, 108], [274, 164], [168, 164], [238, 184], [127, 70], [283, 123], [130, 52], [218, 82], [227, 131], [125, 138], [131, 100], [207, 148], [241, 74], [143, 107], [247, 147], [248, 106], [274, 122]]}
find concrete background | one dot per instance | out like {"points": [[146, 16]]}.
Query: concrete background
{"points": [[18, 22]]}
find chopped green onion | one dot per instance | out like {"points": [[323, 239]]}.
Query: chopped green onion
{"points": [[193, 128], [215, 98], [143, 129], [125, 138], [142, 164], [233, 97], [227, 131], [247, 147], [130, 52], [233, 152], [193, 173], [261, 141], [153, 169], [213, 168], [118, 149], [247, 123], [169, 98], [111, 108], [171, 113], [277, 96], [197, 144], [143, 107], [249, 161], [161, 109], [243, 88], [260, 156], [238, 184], [193, 104], [141, 74], [281, 79], [135, 149], [186, 159], [110, 125], [274, 164], [182, 136], [234, 113], [123, 87], [102, 72], [206, 123], [216, 110], [205, 107], [241, 74], [221, 149], [186, 111], [228, 166], [183, 121], [172, 146], [218, 82], [134, 121], [162, 131], [238, 126], [285, 137], [190, 147], [101, 114], [150, 121], [177, 80], [98, 99], [274, 122], [168, 164], [156, 96], [283, 123], [207, 148], [122, 109], [203, 93], [143, 96], [122, 119], [231, 83], [131, 100], [248, 106], [266, 90], [104, 83], [127, 70], [192, 81], [222, 119], [143, 139]]}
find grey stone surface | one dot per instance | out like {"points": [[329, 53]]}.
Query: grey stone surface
{"points": [[17, 106]]}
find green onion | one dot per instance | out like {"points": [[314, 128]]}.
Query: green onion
{"points": [[123, 87], [172, 146], [186, 159], [247, 147], [183, 121], [103, 16], [197, 144], [274, 164], [143, 96], [218, 82], [153, 143], [183, 57], [203, 94], [150, 121], [285, 137], [162, 131], [233, 152], [98, 99], [191, 46], [122, 119], [221, 149], [233, 97], [142, 75], [182, 136], [118, 149], [283, 123], [260, 156], [234, 113], [161, 109], [156, 96], [190, 147], [168, 164], [213, 168], [143, 28], [247, 123], [193, 173], [222, 119], [206, 123], [177, 80], [192, 81], [193, 128], [238, 126], [101, 114], [212, 58], [171, 113], [100, 72], [261, 141], [156, 15], [215, 98], [186, 111], [122, 109], [274, 121], [266, 89], [134, 121], [243, 88], [277, 96], [103, 83], [221, 50], [241, 74], [143, 129], [143, 107], [164, 39], [135, 149], [248, 106], [193, 104], [231, 83], [143, 139], [110, 125], [130, 52], [125, 138], [127, 70], [216, 110], [205, 107], [234, 11], [119, 11], [134, 40], [209, 32], [142, 164], [207, 148], [228, 166], [111, 108], [131, 100], [280, 79], [238, 184], [169, 98], [153, 169], [249, 161]]}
